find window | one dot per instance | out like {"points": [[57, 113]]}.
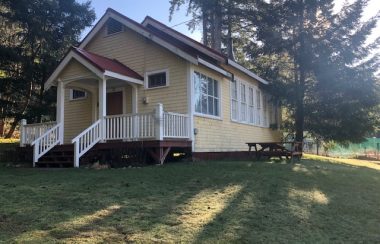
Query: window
{"points": [[243, 103], [114, 26], [77, 94], [258, 107], [234, 100], [251, 106], [206, 91], [265, 110], [157, 79]]}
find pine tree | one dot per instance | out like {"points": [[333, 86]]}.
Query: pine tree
{"points": [[34, 37]]}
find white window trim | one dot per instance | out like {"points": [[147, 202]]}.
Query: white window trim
{"points": [[80, 98], [148, 73], [209, 116], [237, 101]]}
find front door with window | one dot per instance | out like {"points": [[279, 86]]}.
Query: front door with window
{"points": [[114, 103]]}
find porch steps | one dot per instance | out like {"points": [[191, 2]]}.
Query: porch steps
{"points": [[61, 156]]}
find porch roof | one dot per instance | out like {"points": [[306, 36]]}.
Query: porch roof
{"points": [[106, 64]]}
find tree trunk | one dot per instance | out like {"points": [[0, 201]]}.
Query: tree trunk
{"points": [[217, 30], [205, 22], [299, 112], [230, 51], [12, 129], [300, 89]]}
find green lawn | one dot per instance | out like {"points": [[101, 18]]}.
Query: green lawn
{"points": [[314, 201]]}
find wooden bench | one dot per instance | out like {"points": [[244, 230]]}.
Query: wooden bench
{"points": [[276, 149]]}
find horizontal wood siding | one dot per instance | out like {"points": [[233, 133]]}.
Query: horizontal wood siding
{"points": [[225, 135], [78, 116], [142, 55], [74, 69]]}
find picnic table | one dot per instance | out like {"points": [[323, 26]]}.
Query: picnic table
{"points": [[276, 149]]}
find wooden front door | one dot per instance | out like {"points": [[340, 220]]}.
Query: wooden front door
{"points": [[114, 103]]}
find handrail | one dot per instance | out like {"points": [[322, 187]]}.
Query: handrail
{"points": [[86, 140], [45, 142], [40, 124], [31, 132]]}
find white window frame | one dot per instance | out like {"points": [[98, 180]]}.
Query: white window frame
{"points": [[236, 83], [149, 73], [79, 98], [251, 105], [219, 117], [243, 103]]}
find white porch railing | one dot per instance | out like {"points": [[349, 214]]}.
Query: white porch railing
{"points": [[152, 126], [130, 126], [86, 140], [46, 142], [30, 132], [176, 125]]}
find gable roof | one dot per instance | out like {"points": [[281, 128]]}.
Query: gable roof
{"points": [[154, 24], [174, 41], [106, 64]]}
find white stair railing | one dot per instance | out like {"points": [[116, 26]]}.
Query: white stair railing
{"points": [[176, 125], [130, 126], [86, 140], [45, 142]]}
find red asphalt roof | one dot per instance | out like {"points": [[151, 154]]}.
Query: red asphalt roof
{"points": [[103, 64]]}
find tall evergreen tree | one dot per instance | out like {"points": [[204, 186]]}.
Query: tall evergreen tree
{"points": [[34, 36], [332, 90], [320, 64]]}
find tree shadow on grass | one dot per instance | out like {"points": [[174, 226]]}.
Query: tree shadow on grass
{"points": [[304, 203]]}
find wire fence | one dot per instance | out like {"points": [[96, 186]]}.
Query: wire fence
{"points": [[369, 149]]}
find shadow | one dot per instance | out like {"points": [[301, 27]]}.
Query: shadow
{"points": [[304, 203]]}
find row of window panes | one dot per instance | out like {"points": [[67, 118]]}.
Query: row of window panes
{"points": [[244, 109]]}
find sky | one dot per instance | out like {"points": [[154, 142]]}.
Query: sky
{"points": [[159, 9]]}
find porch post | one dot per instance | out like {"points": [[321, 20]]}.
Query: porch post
{"points": [[134, 99], [60, 109], [103, 106], [159, 119], [22, 133]]}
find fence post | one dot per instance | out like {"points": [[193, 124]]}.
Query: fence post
{"points": [[22, 133], [159, 122]]}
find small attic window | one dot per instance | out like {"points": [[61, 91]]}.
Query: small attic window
{"points": [[114, 26]]}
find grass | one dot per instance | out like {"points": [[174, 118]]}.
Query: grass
{"points": [[311, 201]]}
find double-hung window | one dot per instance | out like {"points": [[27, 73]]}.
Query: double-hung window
{"points": [[234, 101], [206, 91], [243, 103], [251, 106], [258, 107]]}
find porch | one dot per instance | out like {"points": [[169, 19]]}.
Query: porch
{"points": [[156, 133]]}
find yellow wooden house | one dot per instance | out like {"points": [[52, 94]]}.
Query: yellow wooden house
{"points": [[146, 85]]}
